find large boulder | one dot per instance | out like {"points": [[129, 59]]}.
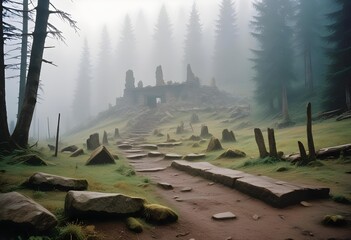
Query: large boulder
{"points": [[96, 204], [93, 141], [214, 145], [45, 182], [20, 213], [100, 156]]}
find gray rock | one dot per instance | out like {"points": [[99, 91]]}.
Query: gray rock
{"points": [[77, 153], [22, 213], [214, 145], [194, 156], [151, 170], [133, 151], [104, 138], [232, 154], [155, 154], [71, 148], [172, 156], [136, 156], [100, 156], [124, 146], [45, 182], [96, 204], [228, 136], [165, 185], [224, 216], [93, 141], [186, 189], [148, 146]]}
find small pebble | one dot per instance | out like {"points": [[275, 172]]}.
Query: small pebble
{"points": [[255, 217]]}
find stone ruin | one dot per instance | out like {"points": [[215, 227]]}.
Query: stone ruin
{"points": [[188, 92]]}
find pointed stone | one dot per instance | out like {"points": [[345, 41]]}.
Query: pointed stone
{"points": [[100, 156], [77, 153]]}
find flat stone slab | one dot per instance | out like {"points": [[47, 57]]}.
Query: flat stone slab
{"points": [[276, 193], [173, 156], [44, 182], [148, 146], [186, 189], [224, 216], [194, 156], [169, 144], [155, 154], [133, 151], [93, 204], [137, 156], [151, 170], [165, 185], [124, 146]]}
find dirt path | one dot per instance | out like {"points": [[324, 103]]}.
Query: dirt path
{"points": [[196, 207]]}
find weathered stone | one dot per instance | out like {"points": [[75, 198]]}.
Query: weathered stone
{"points": [[214, 145], [140, 84], [169, 144], [148, 146], [71, 148], [124, 146], [130, 80], [260, 143], [151, 170], [31, 159], [194, 156], [334, 220], [195, 138], [77, 153], [255, 217], [96, 204], [45, 182], [136, 156], [172, 156], [165, 185], [232, 154], [117, 133], [21, 213], [104, 139], [194, 118], [228, 136], [100, 156], [155, 154], [159, 76], [133, 151], [224, 216], [93, 141], [305, 204], [186, 189], [204, 132]]}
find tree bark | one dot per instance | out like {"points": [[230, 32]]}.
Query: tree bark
{"points": [[260, 143], [311, 149], [272, 143], [4, 128], [24, 49], [21, 133]]}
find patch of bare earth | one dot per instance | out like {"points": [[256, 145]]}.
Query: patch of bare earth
{"points": [[255, 219]]}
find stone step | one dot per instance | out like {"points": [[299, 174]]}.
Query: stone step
{"points": [[276, 193]]}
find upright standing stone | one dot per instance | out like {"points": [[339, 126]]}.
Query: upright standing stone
{"points": [[117, 133], [130, 80], [159, 76], [214, 145], [93, 141], [204, 132], [271, 143], [228, 136], [260, 143], [104, 139], [310, 143]]}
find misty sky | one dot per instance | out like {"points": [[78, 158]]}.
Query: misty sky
{"points": [[58, 83]]}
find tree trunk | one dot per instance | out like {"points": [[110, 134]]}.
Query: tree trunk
{"points": [[4, 128], [272, 143], [308, 69], [20, 135], [285, 110], [260, 143], [311, 149], [24, 48]]}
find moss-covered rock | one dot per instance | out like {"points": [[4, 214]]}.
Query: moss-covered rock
{"points": [[159, 214], [134, 225], [334, 220]]}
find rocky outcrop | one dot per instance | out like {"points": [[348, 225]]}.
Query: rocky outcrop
{"points": [[96, 204], [100, 156], [20, 213], [45, 182]]}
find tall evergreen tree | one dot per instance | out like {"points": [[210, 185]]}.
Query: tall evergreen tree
{"points": [[163, 49], [308, 31], [338, 91], [273, 59], [126, 55], [81, 102], [193, 47], [105, 90], [224, 52]]}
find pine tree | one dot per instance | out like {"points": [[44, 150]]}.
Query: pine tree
{"points": [[193, 47], [163, 49], [81, 102], [106, 89], [308, 35], [224, 52], [273, 61], [338, 91]]}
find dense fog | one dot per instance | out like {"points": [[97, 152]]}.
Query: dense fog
{"points": [[215, 37]]}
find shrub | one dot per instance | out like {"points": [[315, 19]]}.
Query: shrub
{"points": [[72, 231]]}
